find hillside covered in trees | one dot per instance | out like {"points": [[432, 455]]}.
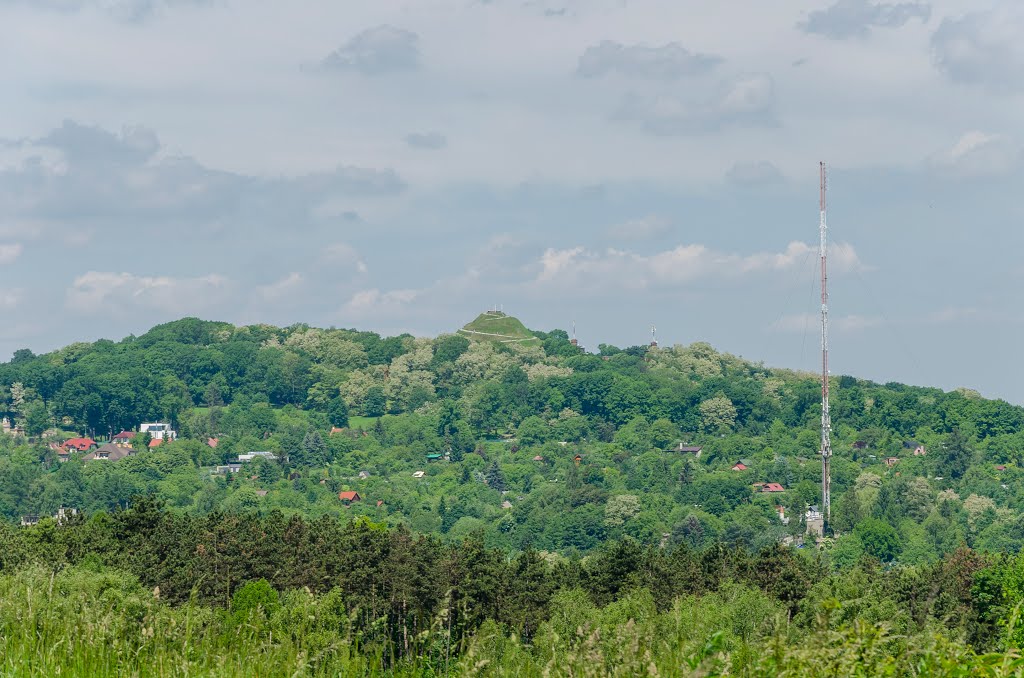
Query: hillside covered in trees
{"points": [[528, 444]]}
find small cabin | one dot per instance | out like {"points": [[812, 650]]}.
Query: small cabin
{"points": [[349, 497]]}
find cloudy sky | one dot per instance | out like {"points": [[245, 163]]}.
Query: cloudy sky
{"points": [[401, 166]]}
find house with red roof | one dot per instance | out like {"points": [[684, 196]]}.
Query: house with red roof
{"points": [[772, 487], [739, 466], [155, 442], [123, 439], [349, 497], [79, 444]]}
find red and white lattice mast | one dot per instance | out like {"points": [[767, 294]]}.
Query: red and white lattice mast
{"points": [[826, 418]]}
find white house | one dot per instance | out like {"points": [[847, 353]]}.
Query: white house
{"points": [[159, 431], [249, 456]]}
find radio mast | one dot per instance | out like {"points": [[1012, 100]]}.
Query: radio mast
{"points": [[826, 418]]}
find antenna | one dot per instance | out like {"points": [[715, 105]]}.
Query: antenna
{"points": [[826, 417], [654, 336], [573, 340]]}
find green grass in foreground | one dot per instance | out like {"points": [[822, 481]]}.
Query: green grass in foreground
{"points": [[98, 624]]}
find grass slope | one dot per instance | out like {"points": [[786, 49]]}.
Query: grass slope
{"points": [[498, 327]]}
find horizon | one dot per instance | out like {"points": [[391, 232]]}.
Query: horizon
{"points": [[587, 347], [389, 166]]}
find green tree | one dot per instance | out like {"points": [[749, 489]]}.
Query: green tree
{"points": [[337, 412], [718, 414], [879, 539], [956, 455], [375, 403]]}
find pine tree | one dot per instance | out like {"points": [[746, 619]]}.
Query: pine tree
{"points": [[495, 478]]}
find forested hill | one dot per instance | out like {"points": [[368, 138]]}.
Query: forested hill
{"points": [[510, 435]]}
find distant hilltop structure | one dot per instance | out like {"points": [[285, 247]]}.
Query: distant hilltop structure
{"points": [[496, 326]]}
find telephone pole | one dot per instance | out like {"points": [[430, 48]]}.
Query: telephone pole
{"points": [[826, 418]]}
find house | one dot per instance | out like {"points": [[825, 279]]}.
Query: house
{"points": [[261, 493], [739, 466], [772, 487], [363, 475], [577, 459], [108, 452], [815, 521], [781, 510], [79, 444], [227, 468], [434, 457], [689, 449], [919, 451], [8, 428], [158, 430], [249, 456], [123, 439], [64, 514], [212, 442], [891, 461], [860, 445], [335, 429], [156, 442], [380, 502], [506, 504], [1000, 468], [29, 520], [349, 497], [419, 474], [538, 458]]}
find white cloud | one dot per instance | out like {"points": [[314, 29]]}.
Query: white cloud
{"points": [[744, 101], [680, 265], [282, 288], [667, 62], [856, 18], [117, 293], [983, 48], [375, 51], [375, 302], [11, 298], [9, 252], [978, 153]]}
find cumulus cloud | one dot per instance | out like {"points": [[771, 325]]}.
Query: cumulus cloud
{"points": [[668, 62], [761, 173], [983, 48], [102, 181], [678, 266], [9, 252], [126, 292], [426, 140], [376, 51], [978, 153], [747, 100], [376, 302], [856, 18]]}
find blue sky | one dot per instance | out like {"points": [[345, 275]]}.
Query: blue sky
{"points": [[400, 166]]}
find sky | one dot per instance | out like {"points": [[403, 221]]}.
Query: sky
{"points": [[402, 166]]}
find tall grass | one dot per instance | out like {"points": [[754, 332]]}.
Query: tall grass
{"points": [[95, 623]]}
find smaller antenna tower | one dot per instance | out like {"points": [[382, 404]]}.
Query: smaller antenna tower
{"points": [[654, 336], [573, 340]]}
